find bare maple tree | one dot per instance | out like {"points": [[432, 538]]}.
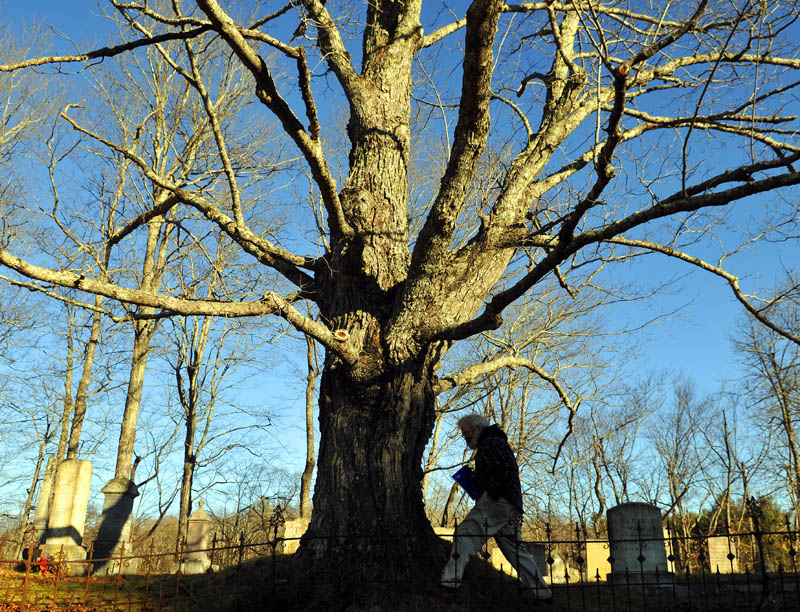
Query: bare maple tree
{"points": [[772, 383], [603, 118]]}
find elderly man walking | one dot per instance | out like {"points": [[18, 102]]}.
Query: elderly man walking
{"points": [[498, 510]]}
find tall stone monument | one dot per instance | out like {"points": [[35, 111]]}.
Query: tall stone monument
{"points": [[42, 514], [112, 547], [636, 544], [64, 533], [195, 552]]}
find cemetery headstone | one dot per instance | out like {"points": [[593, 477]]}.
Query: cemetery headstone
{"points": [[291, 532], [112, 547], [597, 564], [42, 514], [719, 549], [637, 549], [195, 552], [64, 533]]}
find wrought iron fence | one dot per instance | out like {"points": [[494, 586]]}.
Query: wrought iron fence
{"points": [[732, 571]]}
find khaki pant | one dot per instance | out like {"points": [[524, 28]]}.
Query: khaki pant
{"points": [[498, 519]]}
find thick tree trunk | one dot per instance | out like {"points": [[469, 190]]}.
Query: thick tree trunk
{"points": [[185, 503], [152, 271], [369, 524], [130, 417], [369, 520], [83, 385]]}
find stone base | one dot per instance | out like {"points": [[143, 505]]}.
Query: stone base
{"points": [[647, 579], [194, 566], [74, 557], [110, 564], [112, 567]]}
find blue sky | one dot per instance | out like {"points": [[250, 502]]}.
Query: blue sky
{"points": [[695, 341]]}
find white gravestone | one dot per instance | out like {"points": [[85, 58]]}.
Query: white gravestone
{"points": [[719, 547], [291, 532], [42, 513], [195, 552], [636, 543], [64, 533]]}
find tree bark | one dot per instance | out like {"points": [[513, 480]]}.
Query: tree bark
{"points": [[66, 417], [26, 509], [187, 478], [83, 384], [143, 333], [143, 330], [308, 470], [369, 520]]}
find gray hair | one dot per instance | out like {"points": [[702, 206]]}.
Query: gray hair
{"points": [[473, 420]]}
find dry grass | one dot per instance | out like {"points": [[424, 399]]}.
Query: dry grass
{"points": [[280, 584]]}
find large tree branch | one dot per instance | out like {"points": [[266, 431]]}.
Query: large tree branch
{"points": [[332, 46], [650, 50], [105, 51], [669, 68], [283, 261], [603, 162], [738, 126], [694, 198], [624, 16], [479, 370], [470, 134], [267, 92], [182, 20], [270, 304], [33, 287], [437, 35]]}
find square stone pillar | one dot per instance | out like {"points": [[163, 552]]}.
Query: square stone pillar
{"points": [[64, 533], [42, 514], [195, 552], [112, 547]]}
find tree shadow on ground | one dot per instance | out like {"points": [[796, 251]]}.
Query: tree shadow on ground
{"points": [[283, 584]]}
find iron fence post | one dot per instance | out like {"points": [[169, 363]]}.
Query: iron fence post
{"points": [[25, 578], [549, 552], [701, 561], [755, 511], [731, 556], [241, 553], [89, 567]]}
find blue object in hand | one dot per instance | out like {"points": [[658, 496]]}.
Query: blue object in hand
{"points": [[466, 478]]}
